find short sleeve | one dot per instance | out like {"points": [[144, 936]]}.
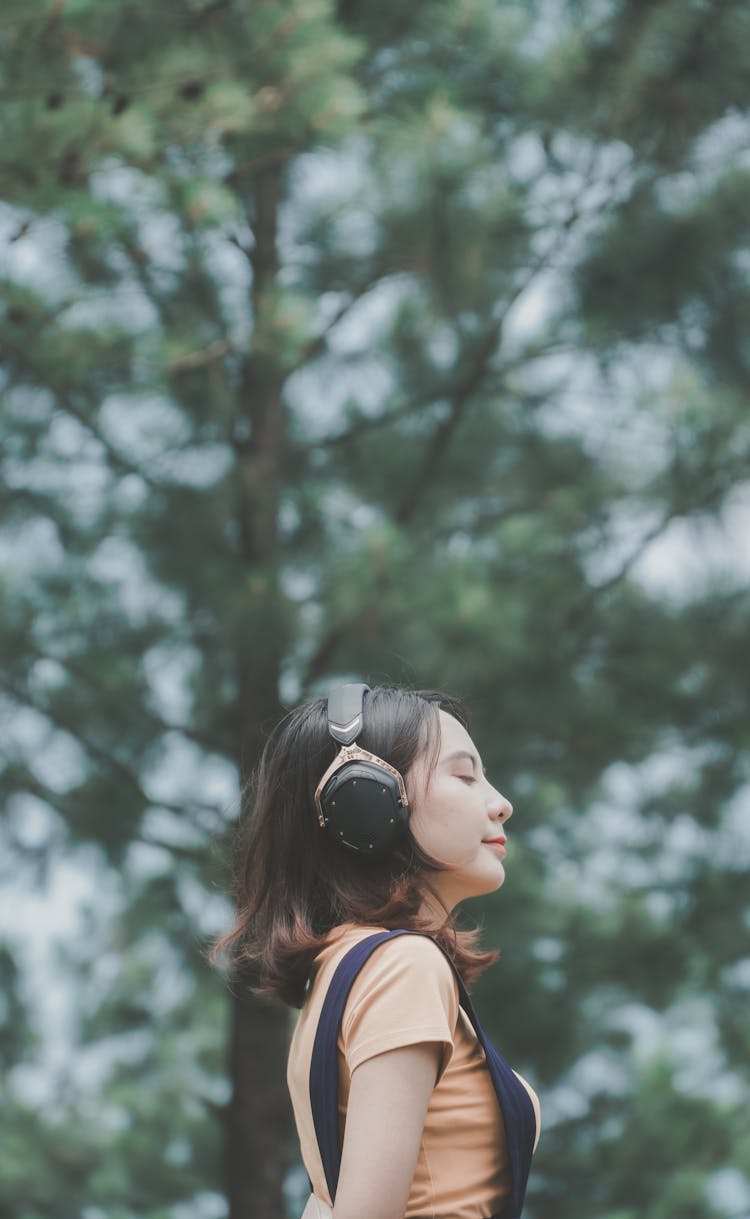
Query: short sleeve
{"points": [[405, 993]]}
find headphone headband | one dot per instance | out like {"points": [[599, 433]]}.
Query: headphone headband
{"points": [[346, 712], [361, 799]]}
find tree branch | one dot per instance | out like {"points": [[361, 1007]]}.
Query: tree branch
{"points": [[317, 344], [106, 759], [61, 803], [65, 403], [199, 359], [537, 351], [156, 721], [461, 396]]}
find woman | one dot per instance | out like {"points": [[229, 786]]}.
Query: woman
{"points": [[373, 819]]}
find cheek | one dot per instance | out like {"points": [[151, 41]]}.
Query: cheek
{"points": [[434, 823], [446, 824], [458, 836]]}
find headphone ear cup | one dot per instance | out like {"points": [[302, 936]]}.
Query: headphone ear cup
{"points": [[362, 808]]}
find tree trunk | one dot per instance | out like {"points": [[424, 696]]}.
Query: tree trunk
{"points": [[261, 1127]]}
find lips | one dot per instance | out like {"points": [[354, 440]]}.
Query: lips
{"points": [[501, 841]]}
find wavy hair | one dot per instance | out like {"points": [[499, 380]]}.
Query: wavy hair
{"points": [[292, 883]]}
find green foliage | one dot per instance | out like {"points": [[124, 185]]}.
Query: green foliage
{"points": [[376, 341]]}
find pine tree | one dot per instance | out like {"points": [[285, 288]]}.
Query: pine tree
{"points": [[375, 341]]}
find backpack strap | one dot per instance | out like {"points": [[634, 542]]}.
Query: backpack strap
{"points": [[516, 1108]]}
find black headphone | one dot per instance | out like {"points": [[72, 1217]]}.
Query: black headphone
{"points": [[360, 799]]}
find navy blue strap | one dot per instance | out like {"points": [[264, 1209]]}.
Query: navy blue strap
{"points": [[515, 1103]]}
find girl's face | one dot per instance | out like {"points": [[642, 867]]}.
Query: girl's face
{"points": [[457, 814]]}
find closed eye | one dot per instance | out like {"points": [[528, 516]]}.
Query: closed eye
{"points": [[467, 778]]}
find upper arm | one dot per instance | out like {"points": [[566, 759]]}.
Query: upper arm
{"points": [[388, 1099]]}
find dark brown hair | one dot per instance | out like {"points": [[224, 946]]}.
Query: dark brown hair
{"points": [[292, 882]]}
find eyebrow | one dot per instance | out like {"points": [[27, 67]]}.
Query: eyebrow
{"points": [[464, 753]]}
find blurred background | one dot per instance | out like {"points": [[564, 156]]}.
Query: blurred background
{"points": [[404, 343]]}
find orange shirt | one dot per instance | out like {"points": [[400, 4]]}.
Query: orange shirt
{"points": [[406, 993]]}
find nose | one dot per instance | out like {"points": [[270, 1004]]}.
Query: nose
{"points": [[501, 806]]}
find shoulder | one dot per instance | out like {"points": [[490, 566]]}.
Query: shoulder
{"points": [[405, 993], [418, 949], [411, 950], [407, 971], [408, 948]]}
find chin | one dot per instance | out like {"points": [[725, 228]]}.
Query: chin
{"points": [[488, 884], [496, 882]]}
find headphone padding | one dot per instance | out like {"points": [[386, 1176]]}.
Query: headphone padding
{"points": [[362, 808]]}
